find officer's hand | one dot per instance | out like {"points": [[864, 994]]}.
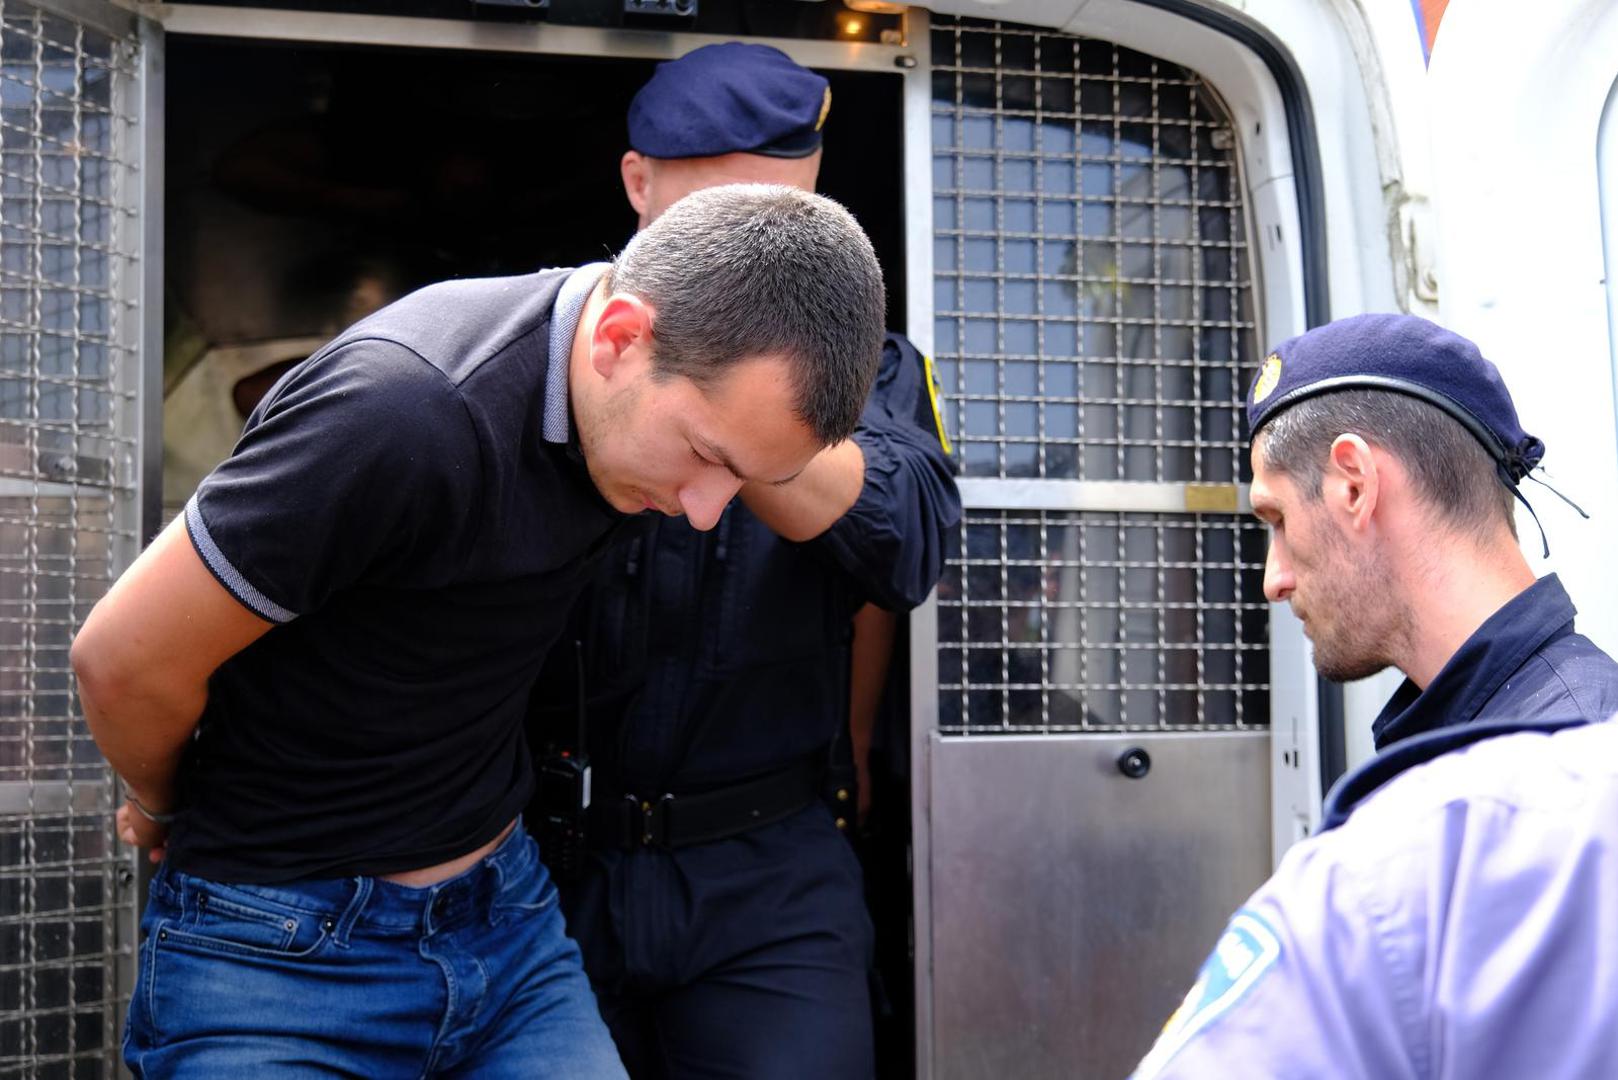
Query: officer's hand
{"points": [[138, 830]]}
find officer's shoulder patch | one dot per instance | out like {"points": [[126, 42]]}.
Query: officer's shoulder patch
{"points": [[1247, 949], [934, 395]]}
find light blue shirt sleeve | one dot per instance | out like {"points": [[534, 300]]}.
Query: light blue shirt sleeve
{"points": [[1462, 924], [1304, 982]]}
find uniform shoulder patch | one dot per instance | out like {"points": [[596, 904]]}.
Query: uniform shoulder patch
{"points": [[1247, 949], [934, 395]]}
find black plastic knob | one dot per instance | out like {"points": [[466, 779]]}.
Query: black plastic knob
{"points": [[1135, 762]]}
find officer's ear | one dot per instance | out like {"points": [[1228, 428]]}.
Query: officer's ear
{"points": [[636, 170], [1352, 485], [622, 336]]}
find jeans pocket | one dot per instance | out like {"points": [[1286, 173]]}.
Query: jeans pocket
{"points": [[140, 1029], [232, 919]]}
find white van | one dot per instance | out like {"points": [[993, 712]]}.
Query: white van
{"points": [[1094, 216]]}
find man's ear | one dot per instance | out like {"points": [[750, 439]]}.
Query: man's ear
{"points": [[636, 170], [1353, 483], [622, 335]]}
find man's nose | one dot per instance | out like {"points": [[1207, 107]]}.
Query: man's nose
{"points": [[1278, 580], [705, 498]]}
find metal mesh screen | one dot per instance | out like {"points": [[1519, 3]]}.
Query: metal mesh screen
{"points": [[68, 520], [1090, 267], [1093, 322], [1083, 621]]}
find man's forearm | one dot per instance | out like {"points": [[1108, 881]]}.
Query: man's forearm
{"points": [[143, 660], [142, 732], [870, 655], [816, 498], [145, 655]]}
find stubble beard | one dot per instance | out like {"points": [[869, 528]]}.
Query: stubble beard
{"points": [[1369, 621], [610, 414], [1347, 666]]}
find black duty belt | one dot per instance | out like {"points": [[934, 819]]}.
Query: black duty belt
{"points": [[673, 821]]}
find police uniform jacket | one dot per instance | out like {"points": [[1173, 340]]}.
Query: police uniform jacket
{"points": [[712, 657], [1457, 917]]}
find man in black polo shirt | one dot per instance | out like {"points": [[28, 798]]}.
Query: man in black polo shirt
{"points": [[313, 683]]}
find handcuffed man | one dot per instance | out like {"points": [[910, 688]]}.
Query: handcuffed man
{"points": [[313, 683]]}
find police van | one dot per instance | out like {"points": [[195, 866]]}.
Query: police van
{"points": [[1094, 216]]}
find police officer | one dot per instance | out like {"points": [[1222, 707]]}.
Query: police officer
{"points": [[1456, 918], [720, 909]]}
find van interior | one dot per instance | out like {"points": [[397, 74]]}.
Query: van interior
{"points": [[307, 185]]}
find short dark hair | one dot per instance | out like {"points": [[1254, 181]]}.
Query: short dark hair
{"points": [[743, 271], [1451, 470]]}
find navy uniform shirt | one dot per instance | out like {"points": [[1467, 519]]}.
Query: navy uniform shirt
{"points": [[1460, 926], [1524, 667], [715, 656], [404, 509]]}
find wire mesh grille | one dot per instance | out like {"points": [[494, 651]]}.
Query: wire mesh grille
{"points": [[1093, 303], [1054, 621], [1092, 297], [67, 520]]}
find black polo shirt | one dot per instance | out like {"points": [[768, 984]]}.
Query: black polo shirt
{"points": [[405, 510]]}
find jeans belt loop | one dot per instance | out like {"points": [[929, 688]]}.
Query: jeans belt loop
{"points": [[351, 914]]}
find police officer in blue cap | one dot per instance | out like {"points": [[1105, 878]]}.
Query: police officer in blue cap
{"points": [[723, 114], [718, 905], [1457, 916]]}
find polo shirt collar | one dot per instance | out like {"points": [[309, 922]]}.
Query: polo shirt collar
{"points": [[555, 422]]}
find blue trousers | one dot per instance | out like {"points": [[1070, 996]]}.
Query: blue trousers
{"points": [[362, 977]]}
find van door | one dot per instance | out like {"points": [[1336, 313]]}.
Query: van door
{"points": [[1093, 718]]}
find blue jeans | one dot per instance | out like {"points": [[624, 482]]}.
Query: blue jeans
{"points": [[361, 977]]}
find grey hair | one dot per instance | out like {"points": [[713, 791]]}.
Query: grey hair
{"points": [[1452, 471], [744, 271]]}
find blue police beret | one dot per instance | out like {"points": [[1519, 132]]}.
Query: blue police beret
{"points": [[1407, 355], [727, 99]]}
